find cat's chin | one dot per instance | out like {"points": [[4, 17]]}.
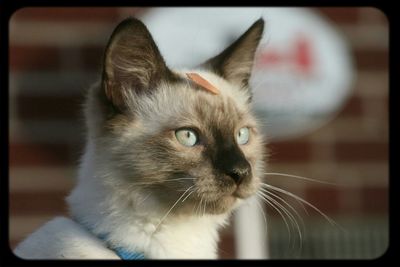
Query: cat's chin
{"points": [[242, 194], [226, 202], [221, 206]]}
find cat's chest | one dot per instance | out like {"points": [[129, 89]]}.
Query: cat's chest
{"points": [[176, 238], [185, 241]]}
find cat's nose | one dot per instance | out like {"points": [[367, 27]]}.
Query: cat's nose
{"points": [[231, 161], [240, 171]]}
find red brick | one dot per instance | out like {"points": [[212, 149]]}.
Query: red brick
{"points": [[371, 60], [353, 107], [325, 199], [361, 151], [290, 151], [92, 57], [226, 247], [66, 14], [374, 15], [340, 15], [375, 200], [34, 58], [43, 203], [49, 107], [272, 213], [351, 200], [40, 154]]}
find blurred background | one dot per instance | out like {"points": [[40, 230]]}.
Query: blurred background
{"points": [[55, 55]]}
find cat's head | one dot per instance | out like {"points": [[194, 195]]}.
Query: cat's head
{"points": [[160, 133]]}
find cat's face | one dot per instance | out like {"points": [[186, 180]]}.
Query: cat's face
{"points": [[162, 134]]}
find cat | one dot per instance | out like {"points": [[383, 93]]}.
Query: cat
{"points": [[169, 155]]}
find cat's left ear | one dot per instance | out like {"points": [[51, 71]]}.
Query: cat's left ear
{"points": [[235, 63]]}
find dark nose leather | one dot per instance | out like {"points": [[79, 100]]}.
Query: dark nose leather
{"points": [[229, 159], [240, 171]]}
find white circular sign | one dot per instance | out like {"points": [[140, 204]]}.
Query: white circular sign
{"points": [[302, 73]]}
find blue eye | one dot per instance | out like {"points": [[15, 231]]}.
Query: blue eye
{"points": [[242, 136], [186, 137]]}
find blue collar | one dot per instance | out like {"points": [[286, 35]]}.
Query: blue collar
{"points": [[123, 253]]}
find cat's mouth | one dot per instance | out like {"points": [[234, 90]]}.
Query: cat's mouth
{"points": [[221, 205], [208, 196], [225, 201]]}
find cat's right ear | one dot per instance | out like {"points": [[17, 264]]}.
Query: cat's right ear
{"points": [[235, 63], [133, 62]]}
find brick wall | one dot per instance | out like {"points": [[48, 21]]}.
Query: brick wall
{"points": [[352, 149], [55, 55]]}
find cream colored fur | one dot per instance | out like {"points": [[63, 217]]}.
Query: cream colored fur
{"points": [[178, 237], [106, 199]]}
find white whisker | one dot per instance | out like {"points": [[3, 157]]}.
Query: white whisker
{"points": [[289, 214], [161, 182], [264, 217], [168, 212], [280, 213], [331, 221], [262, 211], [198, 209], [183, 200], [288, 205], [300, 177], [204, 208]]}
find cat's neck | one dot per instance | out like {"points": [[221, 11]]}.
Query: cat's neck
{"points": [[140, 229]]}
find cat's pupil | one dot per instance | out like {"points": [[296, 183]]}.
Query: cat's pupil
{"points": [[243, 136], [186, 137]]}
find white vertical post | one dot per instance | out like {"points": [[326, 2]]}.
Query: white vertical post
{"points": [[251, 231]]}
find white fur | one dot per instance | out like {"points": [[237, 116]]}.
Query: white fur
{"points": [[62, 238], [93, 202], [176, 238], [106, 204]]}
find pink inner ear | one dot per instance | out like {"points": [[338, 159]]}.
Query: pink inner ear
{"points": [[203, 83]]}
